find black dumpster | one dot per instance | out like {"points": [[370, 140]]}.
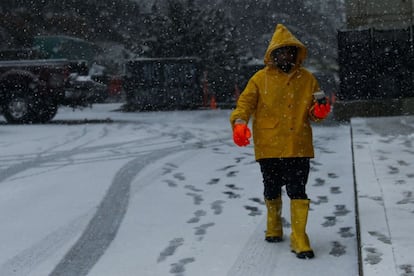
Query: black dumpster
{"points": [[163, 84]]}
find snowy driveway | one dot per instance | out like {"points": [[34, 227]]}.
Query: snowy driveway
{"points": [[162, 193]]}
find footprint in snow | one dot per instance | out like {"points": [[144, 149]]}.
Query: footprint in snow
{"points": [[402, 163], [213, 181], [380, 237], [230, 194], [338, 249], [382, 158], [321, 199], [335, 190], [217, 206], [192, 188], [231, 173], [239, 159], [170, 249], [378, 199], [197, 199], [329, 221], [407, 198], [332, 175], [254, 211], [341, 210], [393, 170], [314, 163], [168, 167], [170, 183], [201, 230], [179, 176], [197, 215], [324, 150], [407, 269], [257, 200], [345, 232], [179, 268], [409, 151], [319, 182], [233, 187], [374, 256], [408, 143], [226, 168]]}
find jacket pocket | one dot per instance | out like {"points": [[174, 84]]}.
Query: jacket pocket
{"points": [[265, 132], [267, 123]]}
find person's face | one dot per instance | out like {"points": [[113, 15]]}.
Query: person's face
{"points": [[285, 57]]}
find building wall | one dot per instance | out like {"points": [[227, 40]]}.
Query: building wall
{"points": [[380, 14]]}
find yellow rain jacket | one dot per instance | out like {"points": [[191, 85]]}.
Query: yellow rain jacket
{"points": [[279, 104]]}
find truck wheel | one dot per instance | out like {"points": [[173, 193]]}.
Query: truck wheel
{"points": [[46, 113], [17, 109]]}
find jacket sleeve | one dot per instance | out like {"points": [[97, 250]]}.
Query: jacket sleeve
{"points": [[312, 117], [247, 102]]}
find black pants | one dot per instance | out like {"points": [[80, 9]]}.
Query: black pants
{"points": [[290, 172]]}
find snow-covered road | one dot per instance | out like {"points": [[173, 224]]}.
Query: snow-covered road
{"points": [[100, 192], [70, 180]]}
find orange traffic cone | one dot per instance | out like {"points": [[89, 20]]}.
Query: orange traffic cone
{"points": [[213, 104]]}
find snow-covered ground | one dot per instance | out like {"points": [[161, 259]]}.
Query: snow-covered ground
{"points": [[101, 192], [384, 171]]}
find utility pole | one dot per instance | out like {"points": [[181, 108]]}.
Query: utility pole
{"points": [[411, 23]]}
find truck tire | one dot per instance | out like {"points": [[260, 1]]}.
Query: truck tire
{"points": [[17, 108], [46, 112]]}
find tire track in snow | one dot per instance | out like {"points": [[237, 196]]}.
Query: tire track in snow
{"points": [[42, 158], [52, 154], [104, 226], [26, 261]]}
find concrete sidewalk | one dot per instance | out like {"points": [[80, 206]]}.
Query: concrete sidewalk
{"points": [[384, 175]]}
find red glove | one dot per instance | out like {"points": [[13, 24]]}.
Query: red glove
{"points": [[321, 111], [241, 135]]}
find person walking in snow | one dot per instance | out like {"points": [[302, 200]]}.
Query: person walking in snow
{"points": [[279, 99]]}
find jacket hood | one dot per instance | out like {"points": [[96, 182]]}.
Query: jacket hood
{"points": [[283, 37]]}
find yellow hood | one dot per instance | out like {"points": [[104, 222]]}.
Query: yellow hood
{"points": [[283, 37]]}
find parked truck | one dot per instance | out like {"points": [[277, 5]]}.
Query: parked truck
{"points": [[32, 87]]}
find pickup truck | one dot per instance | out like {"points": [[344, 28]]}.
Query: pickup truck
{"points": [[31, 90]]}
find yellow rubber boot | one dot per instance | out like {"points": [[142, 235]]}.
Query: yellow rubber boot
{"points": [[299, 241], [274, 231]]}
